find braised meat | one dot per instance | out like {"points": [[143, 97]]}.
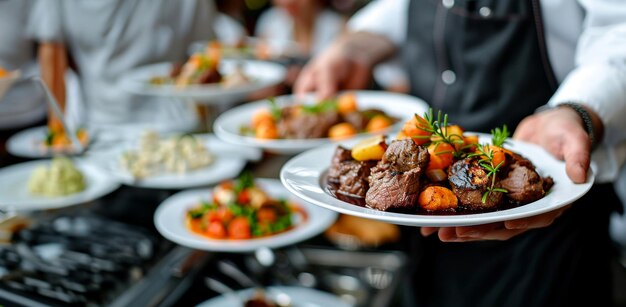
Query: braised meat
{"points": [[356, 119], [353, 178], [359, 119], [523, 183], [395, 181], [296, 124], [210, 76], [404, 155], [341, 154], [469, 182], [390, 189]]}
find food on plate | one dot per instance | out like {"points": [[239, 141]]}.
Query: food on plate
{"points": [[202, 68], [260, 299], [433, 167], [158, 155], [353, 232], [337, 119], [60, 178], [240, 210], [57, 140]]}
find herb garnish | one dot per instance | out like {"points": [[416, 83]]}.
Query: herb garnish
{"points": [[439, 129]]}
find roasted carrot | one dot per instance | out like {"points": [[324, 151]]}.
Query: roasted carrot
{"points": [[341, 131], [437, 198], [346, 103]]}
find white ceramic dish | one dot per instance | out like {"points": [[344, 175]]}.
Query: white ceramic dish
{"points": [[229, 162], [14, 192], [262, 75], [304, 176], [300, 297], [28, 143], [169, 219], [227, 126]]}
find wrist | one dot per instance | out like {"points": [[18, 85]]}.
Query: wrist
{"points": [[589, 120]]}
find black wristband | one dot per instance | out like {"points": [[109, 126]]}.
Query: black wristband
{"points": [[584, 115]]}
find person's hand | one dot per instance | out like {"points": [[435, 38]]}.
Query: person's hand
{"points": [[331, 71], [560, 131]]}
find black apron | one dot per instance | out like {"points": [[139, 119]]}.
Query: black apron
{"points": [[484, 62]]}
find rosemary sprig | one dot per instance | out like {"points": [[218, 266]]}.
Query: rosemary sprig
{"points": [[439, 128], [499, 136], [486, 153]]}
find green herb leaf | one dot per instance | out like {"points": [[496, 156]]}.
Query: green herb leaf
{"points": [[275, 110], [499, 136], [321, 107]]}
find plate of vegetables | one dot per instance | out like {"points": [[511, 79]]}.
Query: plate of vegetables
{"points": [[290, 124], [241, 215], [434, 174]]}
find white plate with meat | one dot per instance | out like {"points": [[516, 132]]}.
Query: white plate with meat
{"points": [[259, 75], [306, 176], [230, 126]]}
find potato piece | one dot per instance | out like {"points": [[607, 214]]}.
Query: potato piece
{"points": [[437, 198], [372, 148]]}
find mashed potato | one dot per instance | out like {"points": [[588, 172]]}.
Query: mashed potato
{"points": [[60, 178]]}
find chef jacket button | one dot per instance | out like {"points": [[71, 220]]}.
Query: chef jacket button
{"points": [[484, 11], [447, 3], [448, 77]]}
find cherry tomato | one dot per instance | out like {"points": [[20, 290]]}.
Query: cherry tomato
{"points": [[239, 228], [266, 215], [216, 230]]}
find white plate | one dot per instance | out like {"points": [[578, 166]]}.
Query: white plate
{"points": [[227, 126], [28, 143], [304, 176], [263, 75], [7, 81], [300, 297], [169, 219], [228, 162], [14, 192]]}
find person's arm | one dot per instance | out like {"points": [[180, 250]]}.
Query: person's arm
{"points": [[53, 64], [598, 84], [373, 36]]}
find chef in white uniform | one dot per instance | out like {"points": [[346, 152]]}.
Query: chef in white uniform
{"points": [[108, 38]]}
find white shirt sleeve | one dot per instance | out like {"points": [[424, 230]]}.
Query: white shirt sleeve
{"points": [[599, 79], [45, 22], [383, 17]]}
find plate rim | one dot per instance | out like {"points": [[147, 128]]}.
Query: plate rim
{"points": [[419, 220], [240, 246], [284, 289]]}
